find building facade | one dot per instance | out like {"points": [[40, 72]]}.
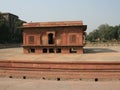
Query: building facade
{"points": [[54, 37]]}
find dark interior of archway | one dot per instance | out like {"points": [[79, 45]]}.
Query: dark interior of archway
{"points": [[50, 38]]}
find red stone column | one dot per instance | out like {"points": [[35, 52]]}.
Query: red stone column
{"points": [[24, 38], [65, 50], [80, 50], [81, 38], [64, 39], [25, 50], [39, 50], [38, 39]]}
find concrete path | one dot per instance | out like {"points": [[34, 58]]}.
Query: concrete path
{"points": [[27, 84]]}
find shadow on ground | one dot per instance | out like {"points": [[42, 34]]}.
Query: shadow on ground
{"points": [[3, 46], [98, 50]]}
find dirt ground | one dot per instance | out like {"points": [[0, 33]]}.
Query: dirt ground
{"points": [[96, 54], [29, 84]]}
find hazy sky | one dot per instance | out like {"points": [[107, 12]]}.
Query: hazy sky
{"points": [[92, 12]]}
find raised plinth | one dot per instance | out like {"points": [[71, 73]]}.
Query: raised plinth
{"points": [[95, 65], [62, 70]]}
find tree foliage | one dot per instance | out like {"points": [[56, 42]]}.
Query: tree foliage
{"points": [[4, 30], [10, 37], [105, 33]]}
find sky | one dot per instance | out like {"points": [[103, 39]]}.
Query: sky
{"points": [[93, 13]]}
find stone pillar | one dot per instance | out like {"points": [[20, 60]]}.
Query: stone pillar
{"points": [[24, 38], [65, 50], [80, 50], [64, 39], [39, 50], [25, 50], [38, 39]]}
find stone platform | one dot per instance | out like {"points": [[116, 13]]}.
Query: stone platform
{"points": [[95, 63], [95, 54]]}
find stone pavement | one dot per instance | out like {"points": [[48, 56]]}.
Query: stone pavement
{"points": [[95, 54], [29, 84]]}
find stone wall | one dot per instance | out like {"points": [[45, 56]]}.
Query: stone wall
{"points": [[60, 35]]}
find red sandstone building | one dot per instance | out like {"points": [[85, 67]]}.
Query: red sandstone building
{"points": [[54, 37]]}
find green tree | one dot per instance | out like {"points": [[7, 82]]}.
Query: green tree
{"points": [[4, 30], [18, 31], [105, 33]]}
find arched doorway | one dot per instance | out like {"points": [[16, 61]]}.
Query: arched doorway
{"points": [[50, 38]]}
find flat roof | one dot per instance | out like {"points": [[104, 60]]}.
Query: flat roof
{"points": [[54, 24]]}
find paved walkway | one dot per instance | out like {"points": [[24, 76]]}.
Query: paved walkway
{"points": [[105, 54], [27, 84]]}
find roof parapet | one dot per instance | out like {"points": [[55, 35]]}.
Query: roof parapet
{"points": [[53, 24]]}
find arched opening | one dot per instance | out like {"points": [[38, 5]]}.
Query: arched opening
{"points": [[72, 50], [31, 50], [58, 50], [51, 50], [50, 38], [44, 50]]}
